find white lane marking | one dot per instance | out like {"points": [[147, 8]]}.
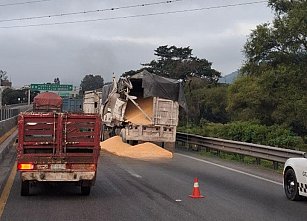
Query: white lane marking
{"points": [[134, 174], [178, 200], [231, 169]]}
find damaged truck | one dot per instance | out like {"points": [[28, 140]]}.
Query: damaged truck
{"points": [[143, 107]]}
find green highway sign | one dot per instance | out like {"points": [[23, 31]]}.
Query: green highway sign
{"points": [[64, 94], [51, 87]]}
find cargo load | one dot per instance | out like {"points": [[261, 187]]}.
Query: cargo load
{"points": [[47, 101]]}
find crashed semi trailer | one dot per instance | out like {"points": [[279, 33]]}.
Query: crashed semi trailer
{"points": [[58, 147], [154, 98]]}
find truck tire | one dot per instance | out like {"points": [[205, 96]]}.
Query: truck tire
{"points": [[291, 185], [25, 188], [85, 190]]}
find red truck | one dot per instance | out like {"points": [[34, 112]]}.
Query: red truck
{"points": [[57, 147]]}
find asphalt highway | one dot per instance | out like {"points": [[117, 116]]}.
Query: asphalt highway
{"points": [[128, 189]]}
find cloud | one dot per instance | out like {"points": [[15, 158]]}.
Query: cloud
{"points": [[39, 54]]}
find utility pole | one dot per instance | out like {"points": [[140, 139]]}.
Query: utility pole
{"points": [[29, 95]]}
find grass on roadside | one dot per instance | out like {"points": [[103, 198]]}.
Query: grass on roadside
{"points": [[242, 159]]}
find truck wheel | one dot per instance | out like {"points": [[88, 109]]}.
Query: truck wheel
{"points": [[291, 185], [25, 188], [85, 190]]}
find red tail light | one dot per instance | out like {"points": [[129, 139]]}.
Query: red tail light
{"points": [[25, 166]]}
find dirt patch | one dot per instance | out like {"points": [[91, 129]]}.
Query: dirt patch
{"points": [[145, 151]]}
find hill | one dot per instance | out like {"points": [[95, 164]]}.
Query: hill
{"points": [[229, 78]]}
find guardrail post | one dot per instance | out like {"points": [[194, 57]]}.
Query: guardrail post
{"points": [[275, 165], [258, 161]]}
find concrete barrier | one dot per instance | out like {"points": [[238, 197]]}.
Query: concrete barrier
{"points": [[7, 125], [7, 144]]}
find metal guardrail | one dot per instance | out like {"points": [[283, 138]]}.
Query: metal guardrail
{"points": [[9, 111], [275, 154]]}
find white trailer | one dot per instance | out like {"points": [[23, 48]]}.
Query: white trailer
{"points": [[161, 125], [92, 102], [295, 178]]}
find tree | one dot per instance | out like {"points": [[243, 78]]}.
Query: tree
{"points": [[11, 96], [91, 82], [57, 81], [273, 88], [178, 63], [247, 101], [212, 104], [282, 42]]}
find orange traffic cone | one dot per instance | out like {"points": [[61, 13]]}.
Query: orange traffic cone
{"points": [[196, 191]]}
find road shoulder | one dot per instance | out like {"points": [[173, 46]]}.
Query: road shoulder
{"points": [[246, 168]]}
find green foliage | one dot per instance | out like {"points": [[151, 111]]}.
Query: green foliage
{"points": [[273, 87], [91, 82], [206, 102], [178, 63], [251, 132], [245, 99], [282, 42], [11, 96], [278, 96]]}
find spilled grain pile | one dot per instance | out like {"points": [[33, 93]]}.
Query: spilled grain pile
{"points": [[144, 151], [115, 145], [134, 115]]}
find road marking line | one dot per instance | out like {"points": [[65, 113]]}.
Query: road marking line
{"points": [[133, 174], [7, 189], [231, 169]]}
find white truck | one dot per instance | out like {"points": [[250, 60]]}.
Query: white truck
{"points": [[295, 178]]}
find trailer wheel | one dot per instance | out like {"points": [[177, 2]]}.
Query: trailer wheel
{"points": [[85, 190], [25, 188], [291, 185]]}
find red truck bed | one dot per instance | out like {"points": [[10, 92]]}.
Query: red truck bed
{"points": [[58, 147]]}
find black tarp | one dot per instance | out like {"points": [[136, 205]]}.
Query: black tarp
{"points": [[157, 86]]}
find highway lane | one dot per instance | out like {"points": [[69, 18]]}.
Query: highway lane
{"points": [[128, 189]]}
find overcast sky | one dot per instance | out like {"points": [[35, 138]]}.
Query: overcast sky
{"points": [[70, 51]]}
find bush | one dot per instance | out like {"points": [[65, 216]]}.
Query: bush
{"points": [[251, 132]]}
